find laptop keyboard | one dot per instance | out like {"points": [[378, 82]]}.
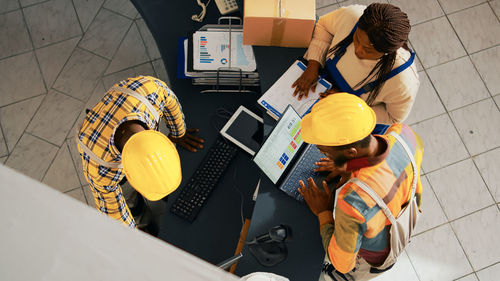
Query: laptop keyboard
{"points": [[303, 169]]}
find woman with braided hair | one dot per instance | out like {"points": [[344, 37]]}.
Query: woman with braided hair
{"points": [[363, 51]]}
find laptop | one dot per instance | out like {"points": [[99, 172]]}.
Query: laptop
{"points": [[285, 158]]}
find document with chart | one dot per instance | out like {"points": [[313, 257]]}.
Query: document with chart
{"points": [[211, 51], [279, 96]]}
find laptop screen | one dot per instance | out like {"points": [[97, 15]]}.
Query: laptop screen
{"points": [[281, 146]]}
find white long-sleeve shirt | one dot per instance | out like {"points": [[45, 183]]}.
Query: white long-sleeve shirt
{"points": [[395, 99]]}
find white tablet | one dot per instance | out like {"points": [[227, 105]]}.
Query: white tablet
{"points": [[245, 129]]}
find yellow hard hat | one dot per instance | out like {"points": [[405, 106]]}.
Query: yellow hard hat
{"points": [[151, 164], [338, 119]]}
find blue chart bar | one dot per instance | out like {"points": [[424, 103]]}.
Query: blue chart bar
{"points": [[205, 57]]}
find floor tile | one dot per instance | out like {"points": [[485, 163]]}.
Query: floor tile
{"points": [[419, 11], [477, 134], [75, 155], [482, 246], [487, 63], [81, 74], [25, 3], [161, 72], [3, 159], [477, 27], [148, 39], [323, 3], [145, 69], [441, 143], [111, 79], [432, 213], [490, 273], [427, 103], [437, 255], [488, 166], [51, 22], [62, 174], [458, 83], [16, 117], [451, 6], [32, 156], [105, 33], [327, 9], [3, 146], [444, 47], [52, 59], [15, 87], [123, 7], [86, 11], [470, 277], [55, 117], [460, 189], [77, 194], [131, 52], [9, 5], [495, 5], [360, 2], [88, 196], [12, 26], [402, 270]]}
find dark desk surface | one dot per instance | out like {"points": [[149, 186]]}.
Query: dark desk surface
{"points": [[214, 234]]}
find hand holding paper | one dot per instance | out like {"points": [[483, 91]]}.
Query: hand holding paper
{"points": [[280, 95], [307, 81]]}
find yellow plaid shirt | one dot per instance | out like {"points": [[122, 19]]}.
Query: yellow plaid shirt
{"points": [[98, 129]]}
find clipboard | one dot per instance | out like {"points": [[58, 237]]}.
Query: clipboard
{"points": [[279, 96]]}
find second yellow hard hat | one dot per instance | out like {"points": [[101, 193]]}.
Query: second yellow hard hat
{"points": [[151, 164], [338, 119]]}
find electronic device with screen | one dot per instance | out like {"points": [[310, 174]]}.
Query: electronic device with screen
{"points": [[285, 158], [245, 129]]}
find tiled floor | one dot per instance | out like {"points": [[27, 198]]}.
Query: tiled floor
{"points": [[57, 57]]}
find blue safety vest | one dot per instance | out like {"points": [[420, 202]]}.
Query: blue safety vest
{"points": [[331, 66]]}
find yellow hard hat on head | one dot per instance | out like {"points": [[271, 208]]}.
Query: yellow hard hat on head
{"points": [[338, 119], [151, 164]]}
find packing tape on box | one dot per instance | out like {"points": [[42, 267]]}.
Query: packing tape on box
{"points": [[279, 24], [278, 31]]}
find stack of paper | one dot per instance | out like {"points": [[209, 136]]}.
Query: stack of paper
{"points": [[210, 58]]}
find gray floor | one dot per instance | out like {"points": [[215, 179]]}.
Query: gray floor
{"points": [[57, 57]]}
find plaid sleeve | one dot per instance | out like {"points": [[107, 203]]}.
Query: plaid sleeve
{"points": [[112, 203], [172, 112]]}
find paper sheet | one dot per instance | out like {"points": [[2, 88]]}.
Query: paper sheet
{"points": [[279, 96], [211, 51]]}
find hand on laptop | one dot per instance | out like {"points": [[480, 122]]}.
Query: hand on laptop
{"points": [[318, 199], [327, 165]]}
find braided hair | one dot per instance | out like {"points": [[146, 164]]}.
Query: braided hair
{"points": [[387, 28]]}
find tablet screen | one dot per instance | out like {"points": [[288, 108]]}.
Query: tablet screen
{"points": [[245, 129]]}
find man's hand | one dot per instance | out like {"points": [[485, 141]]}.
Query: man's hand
{"points": [[189, 141], [317, 200], [307, 80], [327, 165], [328, 92]]}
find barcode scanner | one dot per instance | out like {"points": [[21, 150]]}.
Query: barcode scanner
{"points": [[270, 248], [279, 233]]}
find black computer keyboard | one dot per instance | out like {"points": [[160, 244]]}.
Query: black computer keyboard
{"points": [[197, 189]]}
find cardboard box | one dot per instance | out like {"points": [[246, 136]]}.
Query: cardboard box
{"points": [[283, 23]]}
